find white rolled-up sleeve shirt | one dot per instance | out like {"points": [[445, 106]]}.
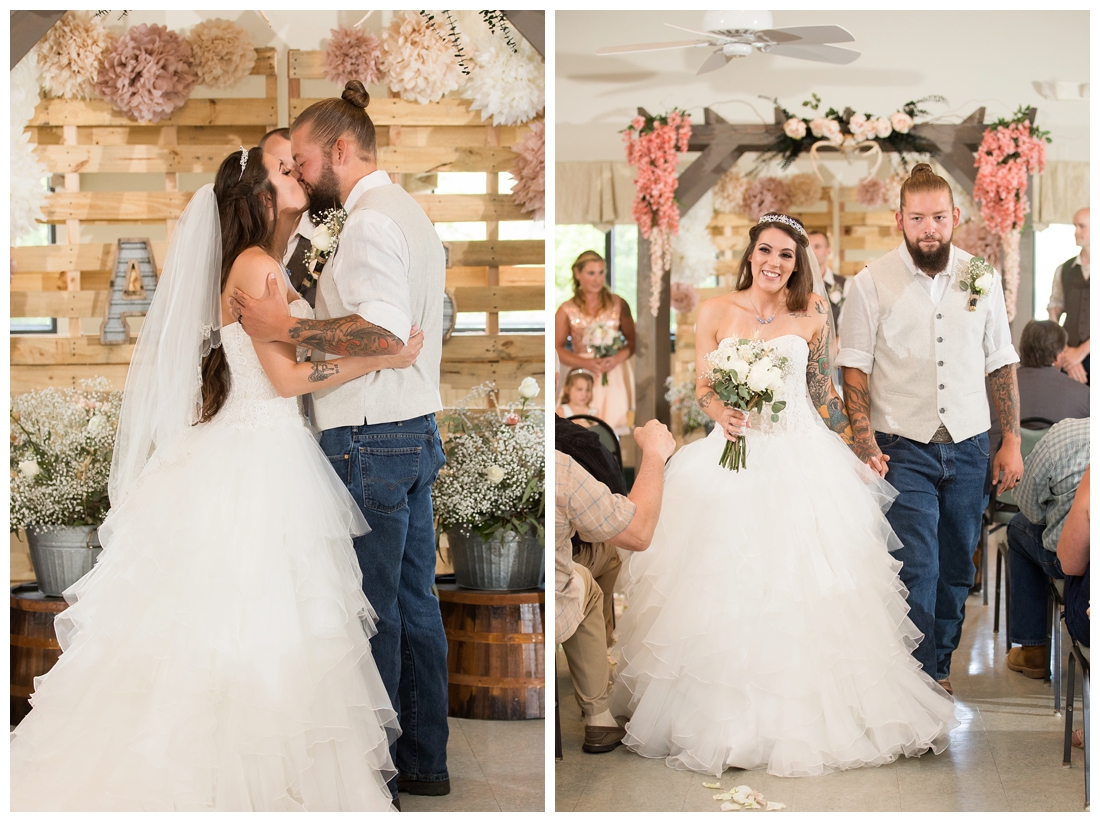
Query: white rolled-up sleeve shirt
{"points": [[860, 319], [371, 266]]}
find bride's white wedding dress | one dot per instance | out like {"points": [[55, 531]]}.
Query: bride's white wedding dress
{"points": [[766, 625], [218, 657]]}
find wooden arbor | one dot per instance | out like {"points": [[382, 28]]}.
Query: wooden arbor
{"points": [[721, 145]]}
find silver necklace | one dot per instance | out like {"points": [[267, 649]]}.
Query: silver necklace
{"points": [[760, 319]]}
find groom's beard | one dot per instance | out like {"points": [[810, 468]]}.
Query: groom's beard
{"points": [[325, 194], [930, 262]]}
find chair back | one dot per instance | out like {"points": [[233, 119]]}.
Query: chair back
{"points": [[1032, 429], [605, 432]]}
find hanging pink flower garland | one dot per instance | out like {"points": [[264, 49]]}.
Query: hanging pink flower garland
{"points": [[652, 145], [1010, 151]]}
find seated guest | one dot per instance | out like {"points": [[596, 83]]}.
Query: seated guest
{"points": [[1073, 554], [601, 559], [587, 507], [1045, 391], [1045, 493]]}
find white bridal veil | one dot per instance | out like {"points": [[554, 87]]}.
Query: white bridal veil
{"points": [[163, 396]]}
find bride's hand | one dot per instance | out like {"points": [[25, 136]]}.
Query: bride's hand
{"points": [[733, 423], [411, 351]]}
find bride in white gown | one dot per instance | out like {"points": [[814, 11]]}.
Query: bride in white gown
{"points": [[217, 657], [766, 626]]}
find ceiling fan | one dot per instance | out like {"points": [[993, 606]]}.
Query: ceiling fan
{"points": [[737, 33]]}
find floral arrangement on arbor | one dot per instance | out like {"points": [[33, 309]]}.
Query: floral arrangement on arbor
{"points": [[352, 54], [1010, 151], [26, 187], [148, 73], [418, 62], [495, 475], [652, 145], [60, 454], [70, 53], [223, 53], [840, 128], [529, 172]]}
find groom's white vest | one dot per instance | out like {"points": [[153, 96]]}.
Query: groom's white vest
{"points": [[393, 394], [929, 359]]}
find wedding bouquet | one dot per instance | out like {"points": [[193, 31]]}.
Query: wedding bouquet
{"points": [[747, 375], [603, 340]]}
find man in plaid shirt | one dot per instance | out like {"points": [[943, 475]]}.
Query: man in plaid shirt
{"points": [[587, 507]]}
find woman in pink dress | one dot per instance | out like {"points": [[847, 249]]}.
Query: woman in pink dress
{"points": [[592, 309]]}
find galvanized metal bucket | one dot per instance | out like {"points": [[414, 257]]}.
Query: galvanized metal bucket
{"points": [[506, 562], [61, 556]]}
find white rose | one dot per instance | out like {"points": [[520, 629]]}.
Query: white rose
{"points": [[984, 283], [322, 239], [817, 127], [794, 128], [765, 362], [759, 376], [741, 369], [29, 469], [97, 425], [779, 391], [834, 297], [494, 473], [857, 124], [901, 122], [529, 388], [831, 132], [883, 128], [775, 379]]}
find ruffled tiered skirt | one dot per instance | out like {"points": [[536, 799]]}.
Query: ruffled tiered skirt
{"points": [[766, 626], [218, 656]]}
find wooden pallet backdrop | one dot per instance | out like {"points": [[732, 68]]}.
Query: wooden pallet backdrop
{"points": [[69, 280]]}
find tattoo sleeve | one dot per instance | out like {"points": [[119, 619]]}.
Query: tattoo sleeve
{"points": [[819, 382], [321, 371], [857, 395], [350, 336], [1006, 398]]}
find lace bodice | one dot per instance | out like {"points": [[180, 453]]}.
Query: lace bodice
{"points": [[799, 415], [253, 400]]}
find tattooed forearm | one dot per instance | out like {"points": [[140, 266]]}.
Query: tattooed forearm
{"points": [[1006, 398], [350, 336], [819, 383], [321, 371], [858, 399], [705, 400]]}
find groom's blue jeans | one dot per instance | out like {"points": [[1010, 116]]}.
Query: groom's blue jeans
{"points": [[942, 491], [389, 469]]}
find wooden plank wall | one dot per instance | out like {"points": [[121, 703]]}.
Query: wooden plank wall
{"points": [[414, 143], [865, 235], [69, 280]]}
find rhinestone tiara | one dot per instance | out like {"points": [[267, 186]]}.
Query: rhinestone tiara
{"points": [[244, 162], [783, 218]]}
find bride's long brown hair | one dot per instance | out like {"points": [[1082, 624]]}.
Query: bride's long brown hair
{"points": [[245, 222]]}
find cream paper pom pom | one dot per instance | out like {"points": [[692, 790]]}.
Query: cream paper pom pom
{"points": [[529, 172], [223, 53], [729, 192], [70, 53], [418, 62], [28, 190], [693, 251], [508, 87], [804, 190], [352, 54], [766, 195]]}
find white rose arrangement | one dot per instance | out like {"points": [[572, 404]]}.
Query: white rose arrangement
{"points": [[603, 340], [326, 236], [747, 375]]}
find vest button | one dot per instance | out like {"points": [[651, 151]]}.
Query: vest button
{"points": [[943, 410], [940, 363], [939, 339], [941, 386], [939, 316]]}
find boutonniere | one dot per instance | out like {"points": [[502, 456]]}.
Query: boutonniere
{"points": [[977, 278], [326, 236]]}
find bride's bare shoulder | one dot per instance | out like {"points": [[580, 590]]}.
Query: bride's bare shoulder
{"points": [[250, 271], [718, 306]]}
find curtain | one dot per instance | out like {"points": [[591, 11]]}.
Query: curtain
{"points": [[599, 194], [1060, 191]]}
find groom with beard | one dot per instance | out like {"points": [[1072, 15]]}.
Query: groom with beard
{"points": [[915, 358], [386, 276]]}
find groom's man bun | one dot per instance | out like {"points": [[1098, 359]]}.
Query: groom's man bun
{"points": [[922, 178], [344, 116]]}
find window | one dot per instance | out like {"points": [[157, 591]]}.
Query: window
{"points": [[1053, 246]]}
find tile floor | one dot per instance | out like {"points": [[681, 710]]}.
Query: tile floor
{"points": [[1005, 756], [494, 766]]}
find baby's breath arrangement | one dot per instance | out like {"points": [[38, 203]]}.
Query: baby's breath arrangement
{"points": [[495, 475], [60, 451], [681, 397]]}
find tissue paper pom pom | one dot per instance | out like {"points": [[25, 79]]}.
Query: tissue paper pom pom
{"points": [[871, 192], [729, 192], [352, 54], [28, 191], [508, 87], [974, 238], [24, 92], [70, 53], [684, 297], [418, 62], [891, 193], [693, 251], [147, 74], [223, 53], [804, 190], [765, 196], [530, 171]]}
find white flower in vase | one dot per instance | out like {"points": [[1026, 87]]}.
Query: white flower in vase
{"points": [[528, 388]]}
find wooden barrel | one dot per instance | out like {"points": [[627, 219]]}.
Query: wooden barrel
{"points": [[34, 648], [496, 653]]}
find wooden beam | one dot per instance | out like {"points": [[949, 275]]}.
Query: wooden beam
{"points": [[387, 111], [452, 208], [532, 25], [652, 357], [700, 177], [60, 304], [225, 111], [496, 252], [496, 298], [486, 348], [26, 28]]}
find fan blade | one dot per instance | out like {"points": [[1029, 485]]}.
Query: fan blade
{"points": [[808, 35], [817, 53], [716, 61], [678, 44], [718, 38]]}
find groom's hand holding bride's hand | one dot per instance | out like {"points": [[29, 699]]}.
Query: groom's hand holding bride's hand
{"points": [[266, 318]]}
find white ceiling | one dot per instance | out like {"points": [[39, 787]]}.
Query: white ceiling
{"points": [[972, 58]]}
